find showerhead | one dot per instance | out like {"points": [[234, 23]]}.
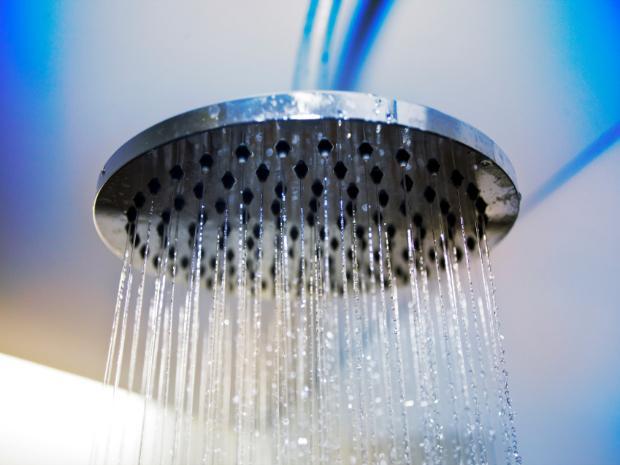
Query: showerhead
{"points": [[323, 152], [338, 325]]}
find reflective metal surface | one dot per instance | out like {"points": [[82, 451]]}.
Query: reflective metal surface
{"points": [[302, 120]]}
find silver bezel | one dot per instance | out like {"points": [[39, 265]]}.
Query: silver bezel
{"points": [[307, 105]]}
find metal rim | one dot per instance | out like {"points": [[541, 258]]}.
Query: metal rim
{"points": [[313, 106], [307, 105]]}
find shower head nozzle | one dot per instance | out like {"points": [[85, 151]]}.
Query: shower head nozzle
{"points": [[306, 161]]}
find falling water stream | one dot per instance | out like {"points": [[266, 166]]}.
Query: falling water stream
{"points": [[307, 325]]}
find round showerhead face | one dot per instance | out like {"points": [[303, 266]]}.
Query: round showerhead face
{"points": [[304, 160]]}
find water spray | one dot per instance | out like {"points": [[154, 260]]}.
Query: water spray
{"points": [[306, 280]]}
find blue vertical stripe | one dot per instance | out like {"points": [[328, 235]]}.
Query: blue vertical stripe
{"points": [[30, 123], [368, 19]]}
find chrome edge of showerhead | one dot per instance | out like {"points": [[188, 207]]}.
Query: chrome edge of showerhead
{"points": [[307, 105]]}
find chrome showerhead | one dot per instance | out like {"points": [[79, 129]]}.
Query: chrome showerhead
{"points": [[301, 155]]}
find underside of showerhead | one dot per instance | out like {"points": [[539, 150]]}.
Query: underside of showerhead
{"points": [[330, 166]]}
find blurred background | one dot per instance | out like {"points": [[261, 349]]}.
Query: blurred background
{"points": [[541, 78]]}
